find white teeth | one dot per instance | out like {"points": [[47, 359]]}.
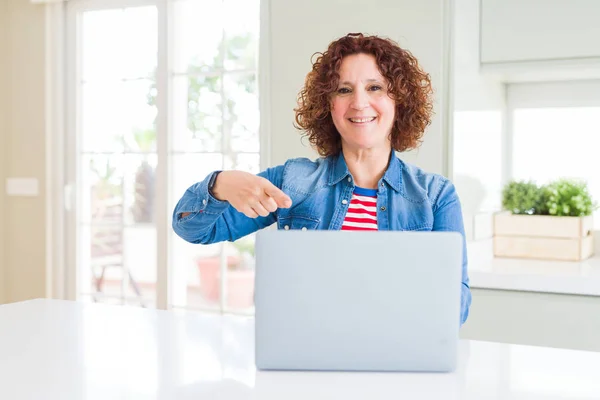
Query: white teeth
{"points": [[362, 119]]}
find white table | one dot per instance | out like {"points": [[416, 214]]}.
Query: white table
{"points": [[544, 276], [65, 350]]}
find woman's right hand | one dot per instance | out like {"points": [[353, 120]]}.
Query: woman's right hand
{"points": [[249, 194]]}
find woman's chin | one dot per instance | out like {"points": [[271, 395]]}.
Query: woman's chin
{"points": [[367, 146]]}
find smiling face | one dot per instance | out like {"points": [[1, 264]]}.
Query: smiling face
{"points": [[361, 109]]}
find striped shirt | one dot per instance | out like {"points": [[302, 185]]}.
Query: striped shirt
{"points": [[362, 212]]}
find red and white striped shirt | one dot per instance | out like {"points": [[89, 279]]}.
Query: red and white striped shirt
{"points": [[362, 212]]}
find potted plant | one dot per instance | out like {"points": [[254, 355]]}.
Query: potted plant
{"points": [[142, 209], [553, 221], [239, 275], [522, 197]]}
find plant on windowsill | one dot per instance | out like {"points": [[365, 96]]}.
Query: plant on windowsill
{"points": [[522, 197], [240, 275], [553, 221]]}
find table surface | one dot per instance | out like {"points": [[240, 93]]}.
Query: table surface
{"points": [[52, 349], [545, 276]]}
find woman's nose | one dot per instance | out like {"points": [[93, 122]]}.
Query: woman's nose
{"points": [[360, 100]]}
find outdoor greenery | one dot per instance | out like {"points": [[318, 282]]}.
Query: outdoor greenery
{"points": [[203, 122]]}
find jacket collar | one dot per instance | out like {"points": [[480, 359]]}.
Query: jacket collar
{"points": [[392, 176]]}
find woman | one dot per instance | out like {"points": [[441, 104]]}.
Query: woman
{"points": [[364, 99]]}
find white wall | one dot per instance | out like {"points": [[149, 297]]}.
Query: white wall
{"points": [[417, 26], [585, 93], [531, 30], [478, 107], [540, 40], [472, 91]]}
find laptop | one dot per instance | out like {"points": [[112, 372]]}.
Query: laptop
{"points": [[357, 301]]}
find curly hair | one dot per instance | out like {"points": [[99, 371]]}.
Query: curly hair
{"points": [[408, 85]]}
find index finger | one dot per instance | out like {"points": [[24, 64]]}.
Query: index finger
{"points": [[282, 199]]}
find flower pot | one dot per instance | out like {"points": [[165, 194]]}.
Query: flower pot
{"points": [[240, 288], [543, 237], [240, 282]]}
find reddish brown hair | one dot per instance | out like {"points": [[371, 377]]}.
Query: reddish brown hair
{"points": [[408, 86]]}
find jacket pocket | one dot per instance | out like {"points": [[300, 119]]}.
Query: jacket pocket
{"points": [[297, 222], [421, 228]]}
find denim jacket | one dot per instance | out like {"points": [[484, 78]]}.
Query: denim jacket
{"points": [[408, 199]]}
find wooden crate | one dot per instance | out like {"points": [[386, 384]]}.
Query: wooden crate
{"points": [[543, 237]]}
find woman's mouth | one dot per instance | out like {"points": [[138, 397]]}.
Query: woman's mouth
{"points": [[364, 120]]}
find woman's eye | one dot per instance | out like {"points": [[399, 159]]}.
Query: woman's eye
{"points": [[375, 87], [343, 90]]}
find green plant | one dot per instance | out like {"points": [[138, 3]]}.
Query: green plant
{"points": [[245, 245], [205, 122], [522, 197], [568, 197], [108, 182], [561, 197]]}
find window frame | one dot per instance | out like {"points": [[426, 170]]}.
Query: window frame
{"points": [[68, 19]]}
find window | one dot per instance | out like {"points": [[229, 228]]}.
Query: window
{"points": [[556, 132], [115, 154], [215, 127], [129, 167], [477, 164]]}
